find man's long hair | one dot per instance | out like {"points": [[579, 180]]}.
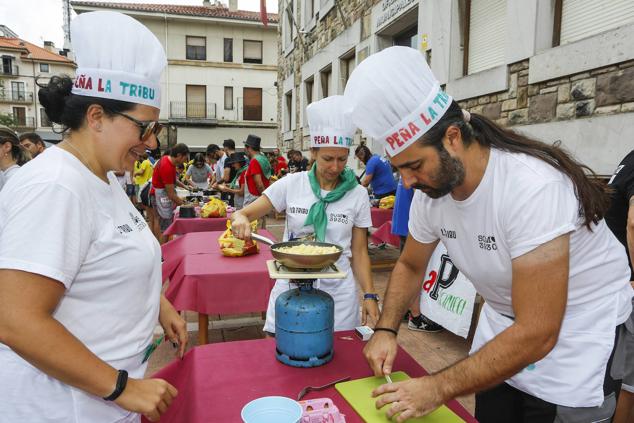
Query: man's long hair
{"points": [[594, 199]]}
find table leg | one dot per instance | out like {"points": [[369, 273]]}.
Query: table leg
{"points": [[203, 328]]}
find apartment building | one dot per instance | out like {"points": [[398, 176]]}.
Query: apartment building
{"points": [[24, 64], [221, 74], [558, 70]]}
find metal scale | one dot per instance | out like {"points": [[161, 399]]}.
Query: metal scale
{"points": [[304, 316]]}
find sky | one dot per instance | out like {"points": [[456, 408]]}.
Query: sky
{"points": [[37, 21]]}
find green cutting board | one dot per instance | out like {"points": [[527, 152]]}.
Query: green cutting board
{"points": [[358, 393]]}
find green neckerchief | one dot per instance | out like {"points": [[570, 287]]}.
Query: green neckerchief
{"points": [[234, 184], [317, 213], [267, 171]]}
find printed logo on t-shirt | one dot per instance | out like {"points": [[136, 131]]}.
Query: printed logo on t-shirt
{"points": [[618, 169], [487, 242], [297, 210], [124, 229], [139, 223], [338, 218], [447, 233]]}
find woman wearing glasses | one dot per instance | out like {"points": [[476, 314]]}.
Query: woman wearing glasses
{"points": [[80, 272]]}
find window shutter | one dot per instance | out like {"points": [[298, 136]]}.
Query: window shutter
{"points": [[584, 18], [487, 34]]}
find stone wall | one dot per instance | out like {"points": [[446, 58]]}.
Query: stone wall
{"points": [[336, 21], [606, 90]]}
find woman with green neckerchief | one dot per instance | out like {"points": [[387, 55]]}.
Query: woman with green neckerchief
{"points": [[236, 186], [327, 204]]}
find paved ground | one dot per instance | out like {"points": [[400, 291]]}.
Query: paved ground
{"points": [[433, 351]]}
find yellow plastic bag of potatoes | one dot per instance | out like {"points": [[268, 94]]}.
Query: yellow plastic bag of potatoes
{"points": [[214, 208], [387, 202], [231, 246]]}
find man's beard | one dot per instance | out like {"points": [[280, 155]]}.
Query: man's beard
{"points": [[450, 174]]}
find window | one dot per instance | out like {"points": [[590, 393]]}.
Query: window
{"points": [[407, 38], [288, 110], [19, 115], [252, 104], [309, 6], [289, 24], [44, 67], [575, 20], [228, 50], [347, 66], [7, 65], [196, 48], [308, 97], [228, 98], [252, 51], [17, 91], [44, 120], [196, 99], [325, 76], [485, 35]]}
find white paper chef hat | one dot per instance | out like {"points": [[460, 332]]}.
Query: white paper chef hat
{"points": [[117, 58], [394, 97], [330, 125]]}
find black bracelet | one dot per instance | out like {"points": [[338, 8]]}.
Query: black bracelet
{"points": [[122, 381], [387, 330]]}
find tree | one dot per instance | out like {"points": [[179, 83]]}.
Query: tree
{"points": [[8, 120]]}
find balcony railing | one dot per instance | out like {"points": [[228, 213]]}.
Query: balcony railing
{"points": [[24, 122], [192, 110], [13, 70], [15, 96]]}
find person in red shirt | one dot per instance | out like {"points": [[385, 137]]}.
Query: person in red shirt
{"points": [[163, 182], [258, 174], [281, 166]]}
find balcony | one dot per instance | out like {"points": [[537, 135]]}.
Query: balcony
{"points": [[24, 123], [192, 113], [9, 70], [15, 96]]}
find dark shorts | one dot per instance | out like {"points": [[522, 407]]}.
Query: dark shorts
{"points": [[505, 404], [163, 223]]}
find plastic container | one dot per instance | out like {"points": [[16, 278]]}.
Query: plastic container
{"points": [[321, 410], [272, 410]]}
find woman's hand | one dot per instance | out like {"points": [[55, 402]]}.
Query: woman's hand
{"points": [[370, 312], [240, 226], [150, 397], [174, 326]]}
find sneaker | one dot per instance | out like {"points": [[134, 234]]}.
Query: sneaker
{"points": [[421, 323]]}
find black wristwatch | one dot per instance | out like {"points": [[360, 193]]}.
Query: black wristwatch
{"points": [[374, 297], [122, 381]]}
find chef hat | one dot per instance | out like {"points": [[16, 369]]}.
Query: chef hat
{"points": [[330, 125], [395, 98], [117, 58]]}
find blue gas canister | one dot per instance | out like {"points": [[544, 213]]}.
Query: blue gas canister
{"points": [[304, 324]]}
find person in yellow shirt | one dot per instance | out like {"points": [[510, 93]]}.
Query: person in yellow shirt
{"points": [[142, 174]]}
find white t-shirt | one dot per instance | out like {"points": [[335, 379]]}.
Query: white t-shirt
{"points": [[294, 194], [220, 168], [59, 220], [7, 174], [521, 203]]}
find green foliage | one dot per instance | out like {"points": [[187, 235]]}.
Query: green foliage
{"points": [[8, 120]]}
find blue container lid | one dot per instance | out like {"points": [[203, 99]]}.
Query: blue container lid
{"points": [[272, 410]]}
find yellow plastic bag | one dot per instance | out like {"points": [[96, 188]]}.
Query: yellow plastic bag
{"points": [[387, 202], [214, 208], [231, 246]]}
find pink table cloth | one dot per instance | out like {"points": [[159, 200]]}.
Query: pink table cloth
{"points": [[196, 224], [205, 281], [380, 216], [215, 381], [384, 235]]}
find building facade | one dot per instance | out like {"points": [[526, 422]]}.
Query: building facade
{"points": [[24, 66], [221, 73], [557, 70]]}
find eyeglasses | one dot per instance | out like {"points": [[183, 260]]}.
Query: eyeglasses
{"points": [[147, 128]]}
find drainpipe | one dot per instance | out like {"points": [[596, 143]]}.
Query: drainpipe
{"points": [[167, 78], [34, 95]]}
